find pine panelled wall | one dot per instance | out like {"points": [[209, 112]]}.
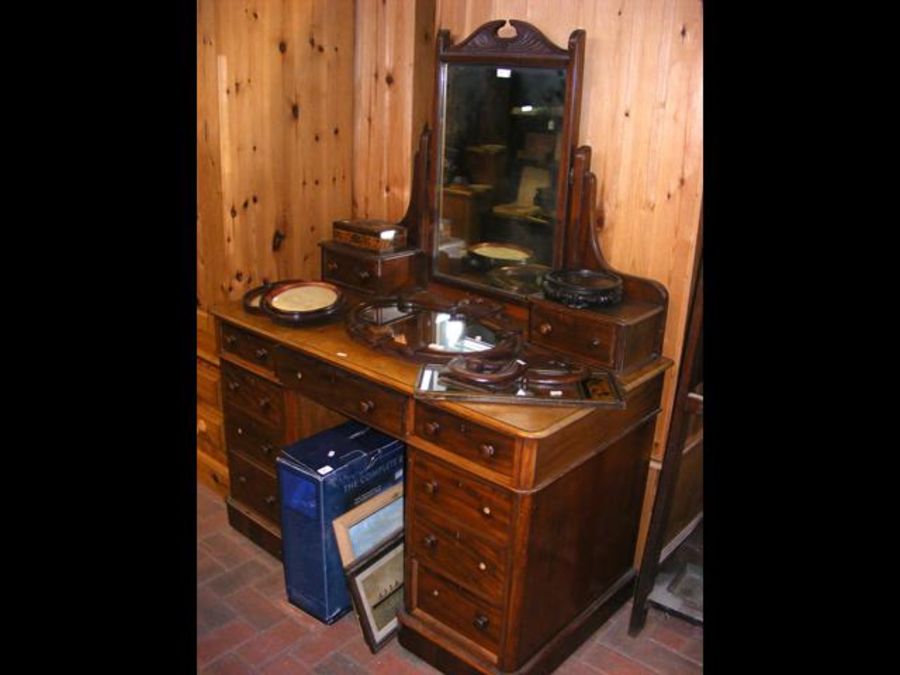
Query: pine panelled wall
{"points": [[275, 138], [310, 110], [393, 85]]}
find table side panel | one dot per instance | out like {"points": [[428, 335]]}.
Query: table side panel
{"points": [[582, 535]]}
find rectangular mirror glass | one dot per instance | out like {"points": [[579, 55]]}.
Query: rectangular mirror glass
{"points": [[497, 180]]}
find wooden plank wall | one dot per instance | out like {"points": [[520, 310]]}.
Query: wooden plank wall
{"points": [[394, 82], [275, 138]]}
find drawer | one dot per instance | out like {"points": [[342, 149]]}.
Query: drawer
{"points": [[335, 388], [258, 441], [461, 497], [369, 272], [475, 563], [458, 610], [253, 487], [574, 332], [248, 346], [208, 383], [252, 394], [348, 269], [487, 447], [209, 432]]}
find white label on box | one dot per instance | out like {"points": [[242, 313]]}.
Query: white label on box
{"points": [[325, 469]]}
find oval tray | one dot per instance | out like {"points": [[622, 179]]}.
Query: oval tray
{"points": [[312, 309]]}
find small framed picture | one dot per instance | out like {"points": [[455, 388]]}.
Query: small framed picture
{"points": [[365, 527], [376, 587]]}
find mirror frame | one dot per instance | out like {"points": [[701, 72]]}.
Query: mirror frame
{"points": [[528, 48]]}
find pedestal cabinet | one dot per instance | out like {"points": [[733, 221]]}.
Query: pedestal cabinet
{"points": [[260, 416]]}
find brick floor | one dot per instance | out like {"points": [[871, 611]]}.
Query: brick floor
{"points": [[246, 625]]}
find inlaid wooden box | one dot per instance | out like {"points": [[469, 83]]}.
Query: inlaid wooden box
{"points": [[370, 235]]}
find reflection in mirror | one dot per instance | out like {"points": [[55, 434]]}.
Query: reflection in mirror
{"points": [[434, 332], [497, 181], [456, 334]]}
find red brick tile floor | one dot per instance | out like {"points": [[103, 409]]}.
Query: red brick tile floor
{"points": [[246, 625]]}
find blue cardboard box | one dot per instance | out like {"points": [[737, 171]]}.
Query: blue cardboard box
{"points": [[319, 479]]}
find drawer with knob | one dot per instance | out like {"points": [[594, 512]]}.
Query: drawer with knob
{"points": [[458, 609], [573, 332], [366, 271], [254, 487], [475, 563], [251, 348], [252, 394], [350, 270], [489, 448], [335, 388], [462, 498], [246, 435]]}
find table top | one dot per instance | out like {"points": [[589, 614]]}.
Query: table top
{"points": [[331, 343]]}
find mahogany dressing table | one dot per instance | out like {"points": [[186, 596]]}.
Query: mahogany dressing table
{"points": [[520, 520]]}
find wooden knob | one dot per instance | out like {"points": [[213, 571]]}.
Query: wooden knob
{"points": [[366, 406], [233, 386], [240, 431], [262, 354], [545, 328], [430, 541], [482, 566], [268, 448], [486, 510], [431, 428], [230, 340], [481, 622], [363, 274], [299, 375], [332, 266], [435, 592], [270, 500], [264, 402], [595, 343], [242, 479], [487, 451], [431, 486]]}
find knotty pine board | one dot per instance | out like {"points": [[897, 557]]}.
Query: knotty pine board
{"points": [[274, 138], [393, 84]]}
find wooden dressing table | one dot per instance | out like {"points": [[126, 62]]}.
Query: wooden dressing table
{"points": [[530, 536], [521, 520]]}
